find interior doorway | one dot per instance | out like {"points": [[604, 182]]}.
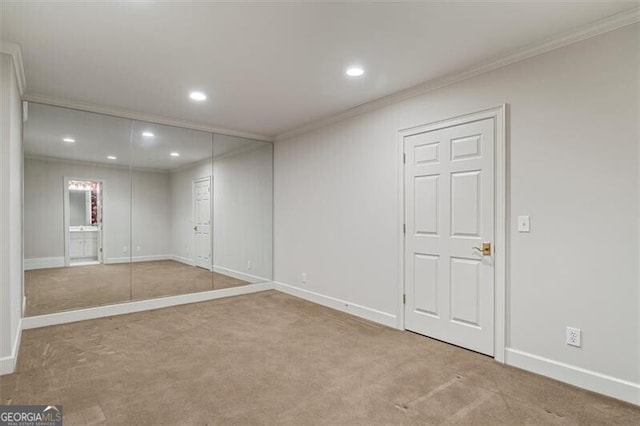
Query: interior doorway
{"points": [[83, 219], [453, 231]]}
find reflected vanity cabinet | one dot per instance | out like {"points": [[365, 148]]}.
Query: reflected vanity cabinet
{"points": [[83, 242]]}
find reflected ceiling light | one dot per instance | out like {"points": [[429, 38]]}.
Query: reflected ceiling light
{"points": [[198, 96], [175, 154], [69, 140], [148, 134], [112, 157], [355, 71]]}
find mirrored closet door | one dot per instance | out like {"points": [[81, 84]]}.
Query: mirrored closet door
{"points": [[119, 210]]}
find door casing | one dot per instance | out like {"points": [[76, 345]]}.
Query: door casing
{"points": [[499, 115]]}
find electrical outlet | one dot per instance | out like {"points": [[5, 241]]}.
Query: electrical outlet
{"points": [[248, 264], [304, 278], [574, 337], [124, 249], [138, 248]]}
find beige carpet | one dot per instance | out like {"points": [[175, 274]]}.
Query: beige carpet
{"points": [[59, 289], [268, 358]]}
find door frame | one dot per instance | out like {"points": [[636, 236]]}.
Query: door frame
{"points": [[500, 250], [208, 178], [66, 219]]}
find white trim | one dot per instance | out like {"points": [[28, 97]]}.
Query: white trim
{"points": [[593, 29], [374, 315], [146, 258], [184, 260], [103, 165], [43, 263], [133, 115], [498, 114], [577, 376], [139, 306], [239, 275], [13, 50], [8, 363]]}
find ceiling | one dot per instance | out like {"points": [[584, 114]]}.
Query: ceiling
{"points": [[97, 136], [266, 67]]}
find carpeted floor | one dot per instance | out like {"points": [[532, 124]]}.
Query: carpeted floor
{"points": [[58, 289], [269, 358]]}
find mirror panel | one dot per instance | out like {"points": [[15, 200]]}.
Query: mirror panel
{"points": [[242, 203], [132, 210], [169, 253], [76, 206]]}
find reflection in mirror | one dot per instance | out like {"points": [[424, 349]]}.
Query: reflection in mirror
{"points": [[179, 231], [242, 208], [76, 207], [132, 210], [165, 242]]}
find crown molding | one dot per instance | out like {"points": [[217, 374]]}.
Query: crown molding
{"points": [[13, 50], [73, 162], [133, 115], [576, 35]]}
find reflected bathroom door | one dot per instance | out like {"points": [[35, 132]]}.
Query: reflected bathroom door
{"points": [[202, 221]]}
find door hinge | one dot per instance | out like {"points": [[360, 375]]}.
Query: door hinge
{"points": [[404, 228], [404, 299], [404, 158]]}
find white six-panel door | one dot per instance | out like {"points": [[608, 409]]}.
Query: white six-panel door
{"points": [[449, 214], [202, 222]]}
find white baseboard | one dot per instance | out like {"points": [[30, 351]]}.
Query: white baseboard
{"points": [[43, 263], [380, 317], [139, 306], [8, 363], [580, 377], [147, 258], [239, 275], [184, 260]]}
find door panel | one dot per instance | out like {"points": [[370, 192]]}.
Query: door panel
{"points": [[449, 210], [426, 295], [426, 207], [465, 204]]}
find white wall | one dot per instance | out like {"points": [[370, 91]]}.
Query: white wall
{"points": [[138, 201], [10, 215], [574, 164]]}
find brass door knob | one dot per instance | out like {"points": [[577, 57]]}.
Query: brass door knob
{"points": [[485, 250]]}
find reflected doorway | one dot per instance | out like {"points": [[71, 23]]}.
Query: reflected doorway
{"points": [[83, 221], [202, 222]]}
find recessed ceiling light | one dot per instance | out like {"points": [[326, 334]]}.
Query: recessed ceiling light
{"points": [[198, 96], [175, 154], [69, 140], [355, 71], [112, 157], [148, 134]]}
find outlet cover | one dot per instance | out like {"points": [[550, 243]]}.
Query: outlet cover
{"points": [[574, 337], [304, 277]]}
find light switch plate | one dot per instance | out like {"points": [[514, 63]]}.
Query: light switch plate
{"points": [[523, 224]]}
